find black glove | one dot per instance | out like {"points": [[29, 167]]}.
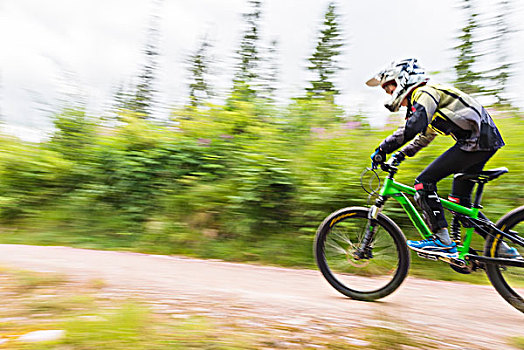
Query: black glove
{"points": [[378, 157], [398, 157]]}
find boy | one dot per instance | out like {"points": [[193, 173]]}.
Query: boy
{"points": [[433, 109]]}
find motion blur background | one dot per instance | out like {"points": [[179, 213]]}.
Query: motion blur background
{"points": [[57, 50], [227, 128]]}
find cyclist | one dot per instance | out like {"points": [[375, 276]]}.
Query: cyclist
{"points": [[432, 109]]}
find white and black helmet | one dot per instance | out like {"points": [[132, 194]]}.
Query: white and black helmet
{"points": [[406, 74]]}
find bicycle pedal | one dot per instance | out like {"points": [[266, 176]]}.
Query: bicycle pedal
{"points": [[427, 256], [458, 262]]}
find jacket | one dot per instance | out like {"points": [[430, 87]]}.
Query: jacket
{"points": [[436, 109]]}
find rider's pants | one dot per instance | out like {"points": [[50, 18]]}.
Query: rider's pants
{"points": [[453, 161]]}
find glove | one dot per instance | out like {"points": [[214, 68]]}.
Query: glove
{"points": [[378, 157], [398, 157]]}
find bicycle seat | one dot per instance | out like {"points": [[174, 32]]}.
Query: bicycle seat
{"points": [[483, 176]]}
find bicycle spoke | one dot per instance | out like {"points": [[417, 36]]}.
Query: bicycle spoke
{"points": [[343, 238], [336, 247]]}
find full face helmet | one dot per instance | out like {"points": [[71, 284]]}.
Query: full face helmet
{"points": [[406, 74]]}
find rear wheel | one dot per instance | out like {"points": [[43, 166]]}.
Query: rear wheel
{"points": [[376, 276], [507, 280]]}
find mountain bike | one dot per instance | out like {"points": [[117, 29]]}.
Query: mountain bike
{"points": [[363, 254]]}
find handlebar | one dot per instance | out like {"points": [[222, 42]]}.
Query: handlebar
{"points": [[390, 166]]}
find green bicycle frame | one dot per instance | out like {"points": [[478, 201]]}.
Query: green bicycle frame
{"points": [[398, 191]]}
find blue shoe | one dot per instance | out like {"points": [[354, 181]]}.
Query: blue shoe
{"points": [[508, 252], [434, 246]]}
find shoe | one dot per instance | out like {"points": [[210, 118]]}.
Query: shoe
{"points": [[507, 252], [434, 246]]}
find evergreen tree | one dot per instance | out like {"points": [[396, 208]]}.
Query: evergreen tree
{"points": [[467, 78], [120, 98], [141, 101], [199, 68], [247, 55], [501, 73], [323, 61], [122, 102], [269, 75]]}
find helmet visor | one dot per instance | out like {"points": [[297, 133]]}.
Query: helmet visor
{"points": [[375, 81]]}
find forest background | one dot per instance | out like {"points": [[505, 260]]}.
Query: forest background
{"points": [[248, 178]]}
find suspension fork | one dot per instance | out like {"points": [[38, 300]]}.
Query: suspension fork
{"points": [[364, 251]]}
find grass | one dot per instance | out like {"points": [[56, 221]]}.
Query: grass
{"points": [[26, 281], [518, 342], [94, 317], [388, 338]]}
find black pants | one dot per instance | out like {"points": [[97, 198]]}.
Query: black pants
{"points": [[453, 161]]}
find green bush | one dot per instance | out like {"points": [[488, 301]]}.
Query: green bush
{"points": [[245, 181]]}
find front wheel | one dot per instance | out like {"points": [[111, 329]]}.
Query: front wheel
{"points": [[507, 280], [373, 276]]}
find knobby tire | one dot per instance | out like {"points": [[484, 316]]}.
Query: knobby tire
{"points": [[507, 280], [388, 267]]}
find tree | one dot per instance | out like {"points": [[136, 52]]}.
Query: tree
{"points": [[199, 68], [247, 56], [467, 78], [141, 101], [269, 75], [323, 61], [501, 73]]}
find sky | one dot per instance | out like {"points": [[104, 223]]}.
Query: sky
{"points": [[57, 48]]}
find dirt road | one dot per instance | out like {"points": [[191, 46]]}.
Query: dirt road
{"points": [[452, 311]]}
